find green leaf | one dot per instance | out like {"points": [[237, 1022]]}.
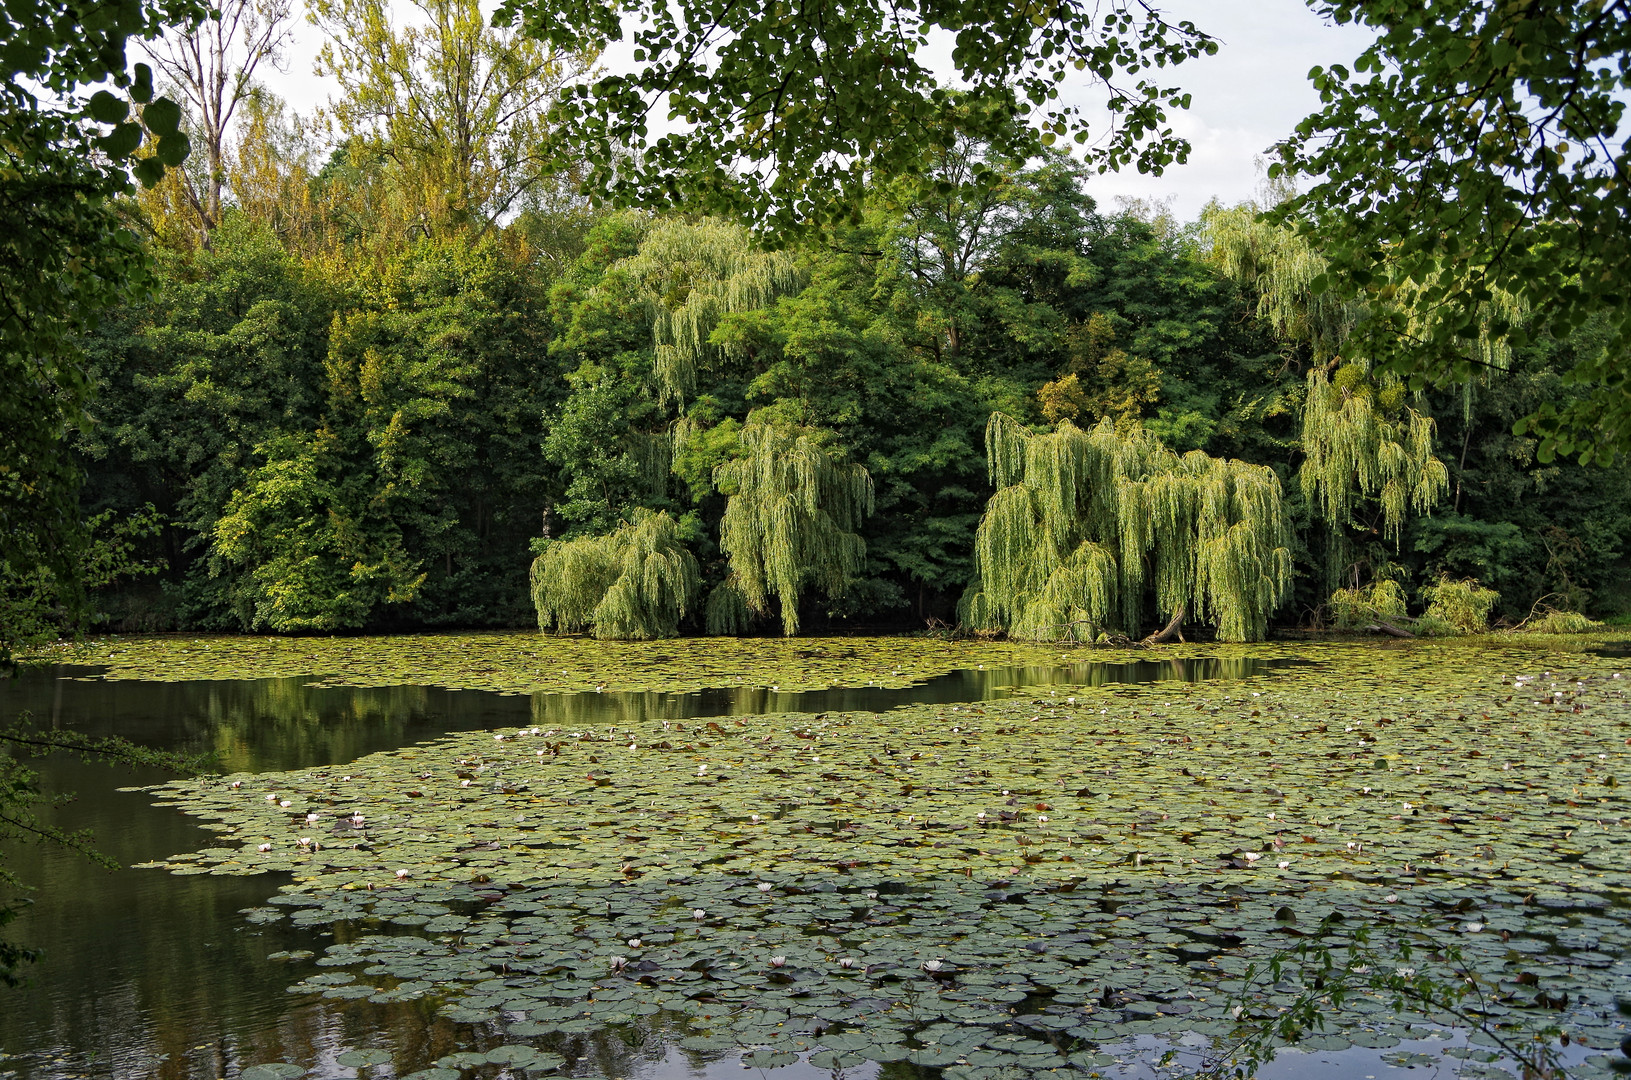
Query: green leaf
{"points": [[162, 116], [122, 141], [107, 108], [172, 150]]}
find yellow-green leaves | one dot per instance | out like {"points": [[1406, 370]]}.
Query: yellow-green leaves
{"points": [[636, 582], [1361, 442], [794, 505], [1084, 522]]}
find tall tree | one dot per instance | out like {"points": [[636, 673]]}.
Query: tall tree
{"points": [[1368, 454], [693, 274], [67, 253], [456, 105], [212, 64], [790, 523]]}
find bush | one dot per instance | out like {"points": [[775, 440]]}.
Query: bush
{"points": [[1464, 605], [1380, 601], [1563, 622]]}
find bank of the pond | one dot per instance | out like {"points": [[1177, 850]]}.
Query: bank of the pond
{"points": [[1013, 885]]}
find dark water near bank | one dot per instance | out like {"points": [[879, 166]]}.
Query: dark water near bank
{"points": [[147, 974]]}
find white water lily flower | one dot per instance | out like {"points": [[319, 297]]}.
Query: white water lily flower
{"points": [[540, 753], [464, 783], [1475, 927], [753, 817], [271, 798], [871, 896], [1283, 863], [236, 784], [264, 847], [401, 874], [634, 943], [1404, 972], [311, 819], [619, 962], [701, 769], [285, 803], [304, 841], [932, 965], [699, 914], [778, 961], [1251, 856], [765, 886], [1042, 819]]}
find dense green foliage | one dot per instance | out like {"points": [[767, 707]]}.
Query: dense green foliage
{"points": [[1084, 522], [787, 115], [392, 373], [1477, 149], [66, 255], [345, 435], [636, 582]]}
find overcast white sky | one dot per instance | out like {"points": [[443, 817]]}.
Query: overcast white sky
{"points": [[1247, 96]]}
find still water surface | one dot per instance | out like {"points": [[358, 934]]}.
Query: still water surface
{"points": [[147, 974]]}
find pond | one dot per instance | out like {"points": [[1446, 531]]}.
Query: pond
{"points": [[1052, 865]]}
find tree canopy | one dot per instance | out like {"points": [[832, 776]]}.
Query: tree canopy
{"points": [[1083, 523], [779, 114], [1475, 149]]}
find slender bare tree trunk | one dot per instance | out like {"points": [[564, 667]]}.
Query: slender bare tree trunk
{"points": [[212, 66]]}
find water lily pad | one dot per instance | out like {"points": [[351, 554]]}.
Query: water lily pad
{"points": [[277, 1070]]}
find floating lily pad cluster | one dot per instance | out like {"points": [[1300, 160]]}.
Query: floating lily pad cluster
{"points": [[1052, 874], [526, 663], [953, 973]]}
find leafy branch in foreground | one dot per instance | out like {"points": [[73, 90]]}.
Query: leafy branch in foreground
{"points": [[21, 799], [779, 114], [1333, 968]]}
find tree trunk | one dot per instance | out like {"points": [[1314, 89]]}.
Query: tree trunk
{"points": [[1171, 630]]}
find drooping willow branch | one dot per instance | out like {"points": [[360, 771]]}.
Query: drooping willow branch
{"points": [[789, 524], [1085, 523], [636, 582]]}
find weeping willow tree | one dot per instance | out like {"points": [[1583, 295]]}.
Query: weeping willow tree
{"points": [[1281, 267], [1085, 524], [1369, 460], [692, 275], [1360, 442], [790, 518], [634, 583]]}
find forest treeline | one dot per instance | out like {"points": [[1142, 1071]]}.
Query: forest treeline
{"points": [[405, 378]]}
